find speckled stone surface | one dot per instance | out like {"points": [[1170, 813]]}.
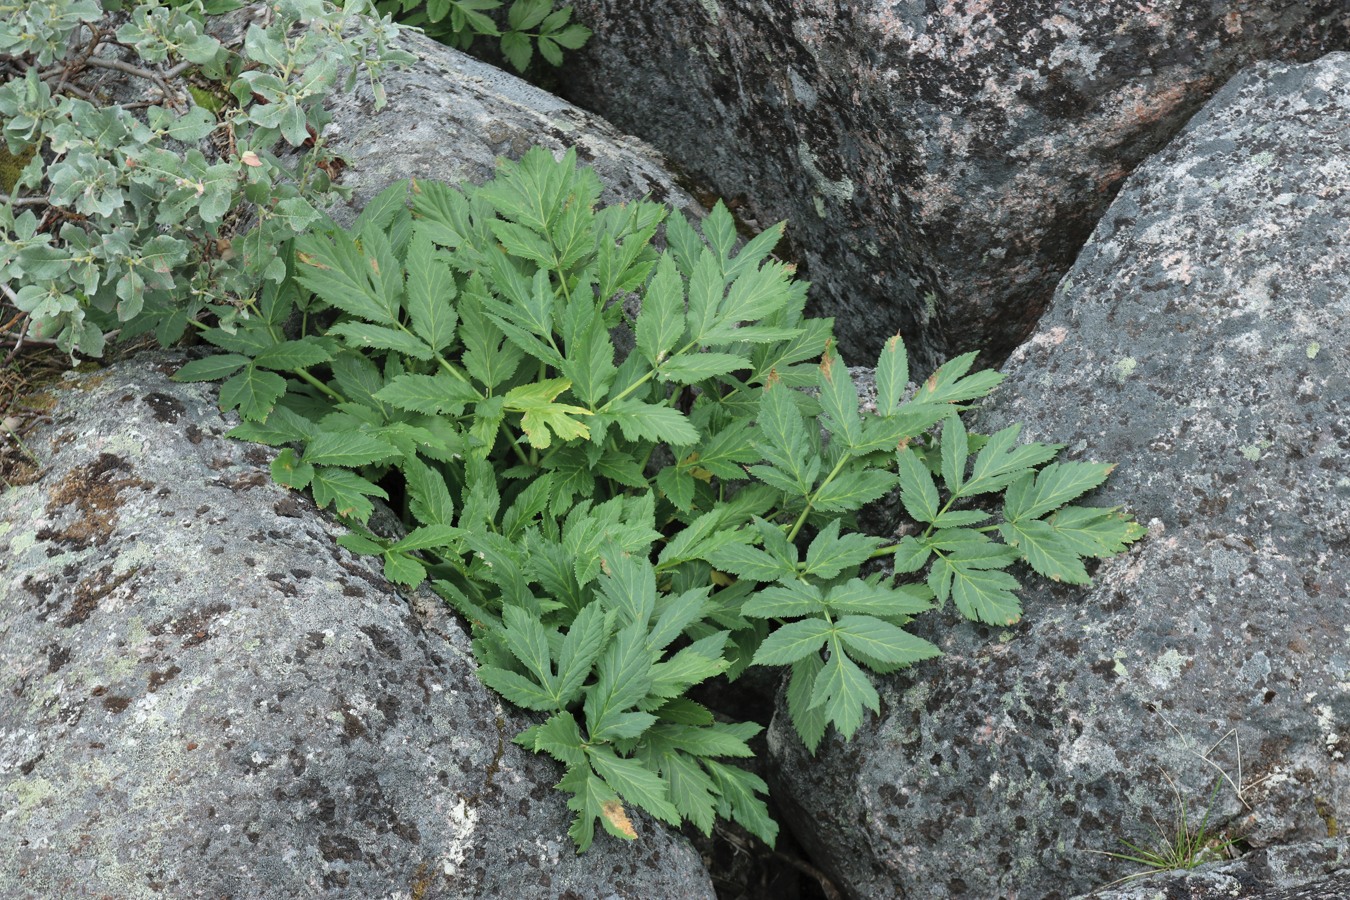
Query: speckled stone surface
{"points": [[1201, 342], [1313, 870], [202, 695], [451, 117], [940, 161]]}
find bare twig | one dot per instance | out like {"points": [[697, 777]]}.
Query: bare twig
{"points": [[129, 69], [826, 885], [23, 201]]}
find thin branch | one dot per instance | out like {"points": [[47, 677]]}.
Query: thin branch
{"points": [[129, 69], [24, 201]]}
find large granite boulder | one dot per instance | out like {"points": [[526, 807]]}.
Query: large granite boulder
{"points": [[940, 163], [1200, 341], [202, 695], [451, 117]]}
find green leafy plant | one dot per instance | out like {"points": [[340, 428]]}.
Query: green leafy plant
{"points": [[528, 24], [620, 528], [139, 216], [1183, 846]]}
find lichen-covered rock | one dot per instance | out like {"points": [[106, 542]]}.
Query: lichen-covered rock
{"points": [[1201, 342], [1315, 870], [451, 117], [941, 162], [202, 695]]}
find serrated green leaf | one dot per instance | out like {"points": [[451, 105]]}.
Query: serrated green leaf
{"points": [[431, 394], [792, 642], [286, 470], [706, 289], [677, 484], [253, 392], [589, 360], [918, 493], [1054, 486], [1043, 550], [528, 641], [1002, 461], [691, 789], [358, 378], [645, 421], [431, 290], [346, 491], [580, 648], [333, 266], [839, 400], [1094, 532], [842, 690], [892, 376], [810, 721], [691, 368], [955, 452], [982, 594], [725, 452], [521, 241], [740, 798], [857, 596], [629, 587], [347, 448], [211, 368], [593, 799], [281, 427], [428, 497], [624, 677], [660, 322], [883, 641], [376, 337], [947, 384], [516, 688], [719, 230], [360, 544], [541, 416], [428, 537], [959, 518], [634, 782], [750, 562], [403, 569], [853, 490], [559, 737], [911, 554], [292, 355], [783, 601], [782, 438], [829, 553]]}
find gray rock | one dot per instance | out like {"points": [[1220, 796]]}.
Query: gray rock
{"points": [[1200, 341], [940, 163], [202, 695], [451, 117], [1316, 870]]}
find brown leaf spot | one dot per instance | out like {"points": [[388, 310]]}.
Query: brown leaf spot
{"points": [[613, 811]]}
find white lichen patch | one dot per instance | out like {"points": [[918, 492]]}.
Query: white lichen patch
{"points": [[1327, 725], [841, 191], [1164, 670], [463, 821]]}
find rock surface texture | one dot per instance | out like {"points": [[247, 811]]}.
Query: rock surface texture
{"points": [[941, 162], [1287, 872], [202, 695], [450, 117], [1200, 341]]}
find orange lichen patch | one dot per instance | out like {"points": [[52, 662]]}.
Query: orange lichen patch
{"points": [[93, 490]]}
